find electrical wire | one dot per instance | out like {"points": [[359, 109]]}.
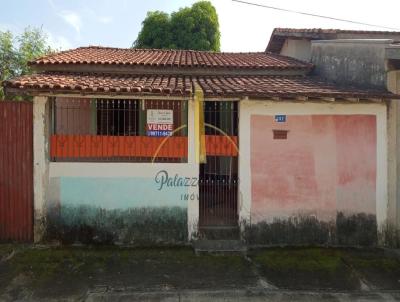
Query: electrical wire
{"points": [[314, 15]]}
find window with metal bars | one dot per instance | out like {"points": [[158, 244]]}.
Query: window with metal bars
{"points": [[119, 130], [117, 117]]}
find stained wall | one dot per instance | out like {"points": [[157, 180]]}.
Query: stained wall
{"points": [[324, 183]]}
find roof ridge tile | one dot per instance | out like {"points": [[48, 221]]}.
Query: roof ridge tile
{"points": [[98, 55]]}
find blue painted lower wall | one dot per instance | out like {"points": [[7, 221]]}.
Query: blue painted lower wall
{"points": [[116, 210]]}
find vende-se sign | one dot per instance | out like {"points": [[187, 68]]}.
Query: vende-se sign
{"points": [[160, 122]]}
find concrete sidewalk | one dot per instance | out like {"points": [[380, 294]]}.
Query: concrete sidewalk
{"points": [[249, 295], [245, 295], [34, 273]]}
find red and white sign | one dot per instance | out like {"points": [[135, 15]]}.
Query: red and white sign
{"points": [[160, 122], [160, 127]]}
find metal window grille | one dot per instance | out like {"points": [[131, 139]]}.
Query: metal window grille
{"points": [[116, 130]]}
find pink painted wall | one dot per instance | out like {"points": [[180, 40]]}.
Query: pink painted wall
{"points": [[326, 164]]}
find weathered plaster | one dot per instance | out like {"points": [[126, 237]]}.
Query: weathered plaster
{"points": [[358, 62], [40, 162], [393, 115], [393, 85], [297, 48], [326, 164], [116, 203], [193, 205], [268, 108], [244, 194], [358, 229], [134, 226]]}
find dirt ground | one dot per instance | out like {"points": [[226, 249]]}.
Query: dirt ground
{"points": [[36, 272]]}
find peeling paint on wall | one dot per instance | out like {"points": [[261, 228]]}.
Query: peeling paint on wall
{"points": [[318, 186], [134, 226], [327, 164], [127, 210]]}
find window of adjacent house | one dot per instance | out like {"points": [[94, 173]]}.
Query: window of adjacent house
{"points": [[119, 130]]}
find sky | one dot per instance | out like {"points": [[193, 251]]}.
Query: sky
{"points": [[116, 23]]}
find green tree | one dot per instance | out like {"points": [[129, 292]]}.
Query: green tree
{"points": [[155, 31], [193, 27], [16, 52]]}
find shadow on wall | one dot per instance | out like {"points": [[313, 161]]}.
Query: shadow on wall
{"points": [[134, 226], [351, 230]]}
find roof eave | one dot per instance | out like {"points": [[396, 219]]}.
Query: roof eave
{"points": [[302, 97]]}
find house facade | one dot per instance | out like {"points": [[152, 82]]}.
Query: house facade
{"points": [[297, 42], [170, 146]]}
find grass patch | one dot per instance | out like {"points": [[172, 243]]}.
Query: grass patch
{"points": [[61, 271], [306, 268], [309, 260]]}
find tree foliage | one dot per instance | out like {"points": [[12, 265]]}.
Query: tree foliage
{"points": [[193, 27], [17, 51]]}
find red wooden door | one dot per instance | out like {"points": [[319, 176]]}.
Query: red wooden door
{"points": [[16, 171]]}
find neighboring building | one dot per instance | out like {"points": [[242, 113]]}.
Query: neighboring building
{"points": [[296, 42], [369, 59], [290, 158]]}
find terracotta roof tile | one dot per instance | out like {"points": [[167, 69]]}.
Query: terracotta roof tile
{"points": [[213, 86], [95, 55]]}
